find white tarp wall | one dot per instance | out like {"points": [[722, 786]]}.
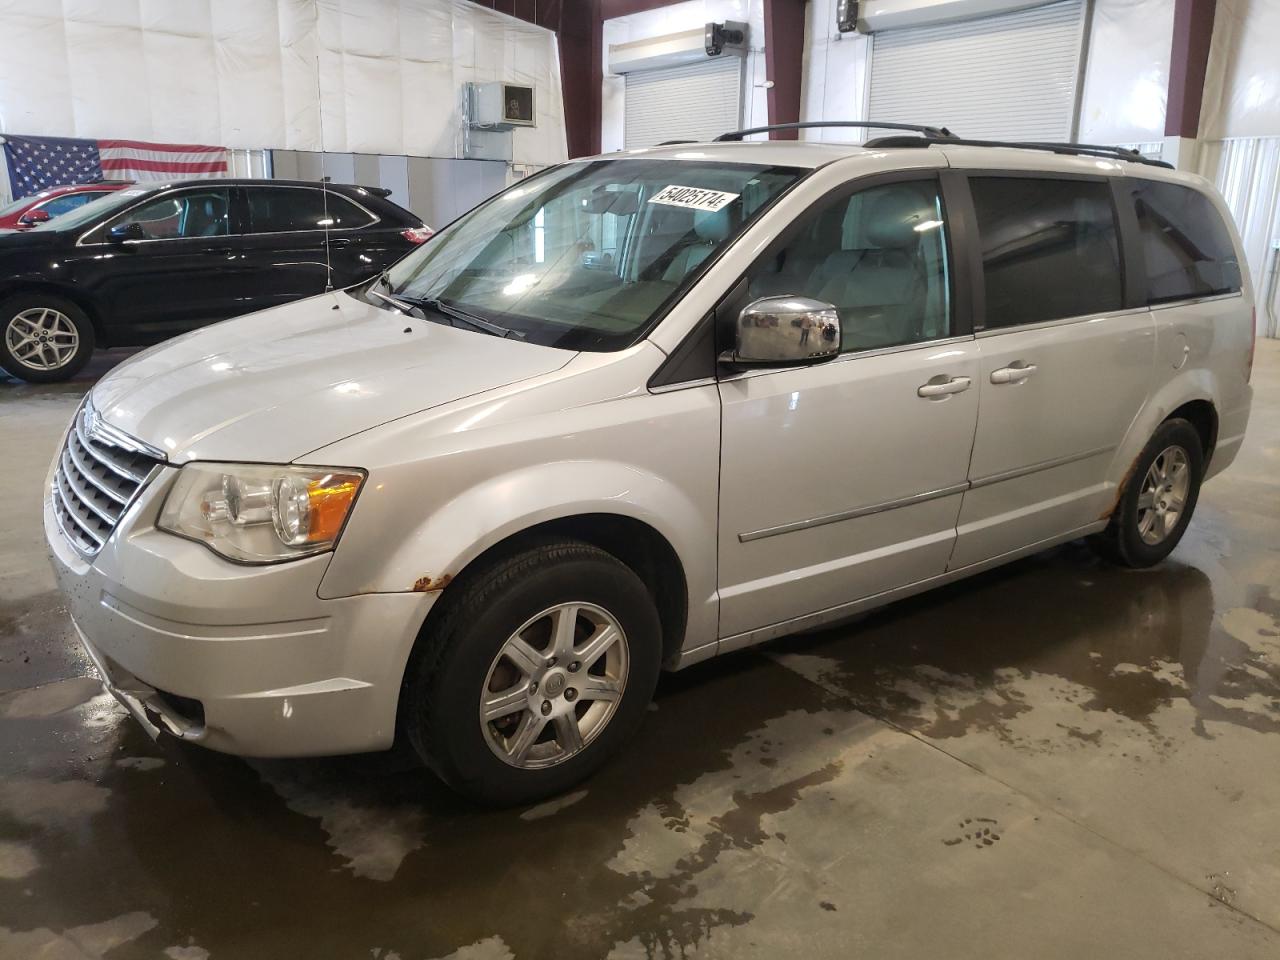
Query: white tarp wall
{"points": [[1126, 77], [361, 76], [1240, 124]]}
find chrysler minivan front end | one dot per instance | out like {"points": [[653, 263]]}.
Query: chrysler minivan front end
{"points": [[253, 522]]}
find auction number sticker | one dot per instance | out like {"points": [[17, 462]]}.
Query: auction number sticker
{"points": [[693, 198]]}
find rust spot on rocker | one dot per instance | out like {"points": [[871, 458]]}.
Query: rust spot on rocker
{"points": [[1124, 483], [426, 584]]}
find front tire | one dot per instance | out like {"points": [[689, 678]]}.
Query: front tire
{"points": [[1158, 499], [43, 338], [539, 669]]}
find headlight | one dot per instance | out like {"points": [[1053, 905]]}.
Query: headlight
{"points": [[256, 513]]}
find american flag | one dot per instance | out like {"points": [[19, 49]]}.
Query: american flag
{"points": [[39, 162]]}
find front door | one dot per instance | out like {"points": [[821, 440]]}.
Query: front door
{"points": [[1065, 366], [843, 480], [185, 271]]}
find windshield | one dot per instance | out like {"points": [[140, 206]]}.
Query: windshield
{"points": [[587, 255], [16, 205], [94, 209]]}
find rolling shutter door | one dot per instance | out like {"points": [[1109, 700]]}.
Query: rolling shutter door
{"points": [[696, 101], [1007, 77]]}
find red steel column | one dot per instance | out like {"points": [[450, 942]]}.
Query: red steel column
{"points": [[784, 61], [1192, 34]]}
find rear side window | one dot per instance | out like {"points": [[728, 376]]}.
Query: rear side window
{"points": [[1185, 245], [1049, 248], [287, 209]]}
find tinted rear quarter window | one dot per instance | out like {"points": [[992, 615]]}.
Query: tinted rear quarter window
{"points": [[287, 209], [1049, 248], [1186, 247]]}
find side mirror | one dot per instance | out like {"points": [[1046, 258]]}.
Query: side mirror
{"points": [[785, 331], [126, 231], [33, 217]]}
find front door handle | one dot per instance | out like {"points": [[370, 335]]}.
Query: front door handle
{"points": [[339, 241], [1014, 373], [943, 386], [220, 252]]}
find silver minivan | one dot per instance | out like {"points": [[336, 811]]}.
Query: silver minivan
{"points": [[635, 411]]}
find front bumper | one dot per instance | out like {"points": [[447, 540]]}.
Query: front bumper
{"points": [[242, 659]]}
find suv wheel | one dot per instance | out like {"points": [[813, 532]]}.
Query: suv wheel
{"points": [[540, 667], [43, 338], [1158, 500]]}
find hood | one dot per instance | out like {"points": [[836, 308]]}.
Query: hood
{"points": [[275, 385]]}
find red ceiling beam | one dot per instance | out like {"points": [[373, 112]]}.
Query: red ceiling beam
{"points": [[1192, 34], [581, 39], [784, 62]]}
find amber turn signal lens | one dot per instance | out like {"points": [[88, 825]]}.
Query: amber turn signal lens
{"points": [[330, 501]]}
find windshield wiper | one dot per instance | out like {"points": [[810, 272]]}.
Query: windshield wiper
{"points": [[447, 309], [402, 305]]}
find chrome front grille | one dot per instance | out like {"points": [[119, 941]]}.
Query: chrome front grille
{"points": [[99, 474]]}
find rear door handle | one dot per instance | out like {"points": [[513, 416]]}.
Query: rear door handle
{"points": [[940, 387], [220, 252], [339, 241], [1014, 373]]}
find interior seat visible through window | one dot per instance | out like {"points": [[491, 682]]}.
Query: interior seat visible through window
{"points": [[710, 230], [879, 257]]}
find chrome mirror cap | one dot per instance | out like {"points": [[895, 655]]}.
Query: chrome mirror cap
{"points": [[786, 330]]}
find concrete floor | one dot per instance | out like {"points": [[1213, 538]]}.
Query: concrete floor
{"points": [[1056, 759]]}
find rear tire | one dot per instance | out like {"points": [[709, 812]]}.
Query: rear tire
{"points": [[561, 699], [1158, 498], [43, 338]]}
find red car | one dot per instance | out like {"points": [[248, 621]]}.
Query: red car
{"points": [[27, 212]]}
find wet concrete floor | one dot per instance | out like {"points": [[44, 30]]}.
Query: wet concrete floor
{"points": [[1055, 759]]}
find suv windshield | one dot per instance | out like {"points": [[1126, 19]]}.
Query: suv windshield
{"points": [[587, 255], [91, 211]]}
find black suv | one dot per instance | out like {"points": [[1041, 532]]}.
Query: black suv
{"points": [[145, 263]]}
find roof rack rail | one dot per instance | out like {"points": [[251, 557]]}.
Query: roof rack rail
{"points": [[1067, 149], [934, 133], [674, 143]]}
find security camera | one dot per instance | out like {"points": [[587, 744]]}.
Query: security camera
{"points": [[846, 15], [718, 34]]}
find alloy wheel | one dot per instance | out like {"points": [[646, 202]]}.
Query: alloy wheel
{"points": [[1163, 497], [42, 338], [554, 686]]}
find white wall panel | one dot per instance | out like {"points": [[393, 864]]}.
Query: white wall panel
{"points": [[835, 74], [1247, 172], [1011, 76], [369, 76], [1126, 79]]}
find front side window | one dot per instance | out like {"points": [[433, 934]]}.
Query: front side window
{"points": [[288, 209], [1049, 248], [198, 213], [879, 257], [587, 255], [1186, 247]]}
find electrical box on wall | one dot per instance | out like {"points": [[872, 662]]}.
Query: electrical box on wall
{"points": [[500, 106]]}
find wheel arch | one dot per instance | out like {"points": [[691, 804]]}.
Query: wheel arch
{"points": [[22, 286], [635, 543], [1191, 397], [1203, 415]]}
